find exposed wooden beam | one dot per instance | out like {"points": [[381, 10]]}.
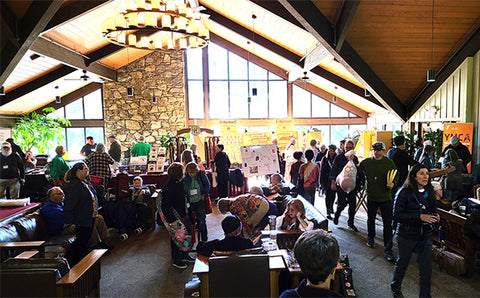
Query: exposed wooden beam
{"points": [[344, 22], [101, 53], [9, 26], [35, 84], [292, 57], [71, 97], [469, 48], [72, 10], [318, 25], [71, 58], [278, 10], [32, 24]]}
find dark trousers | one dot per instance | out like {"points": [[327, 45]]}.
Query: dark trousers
{"points": [[329, 199], [200, 216], [222, 185], [386, 208], [343, 200], [142, 212], [309, 194], [423, 249], [80, 245]]}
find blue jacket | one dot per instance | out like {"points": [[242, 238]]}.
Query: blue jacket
{"points": [[202, 181], [78, 207], [53, 215]]}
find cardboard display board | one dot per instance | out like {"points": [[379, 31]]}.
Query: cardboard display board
{"points": [[156, 159], [259, 160]]}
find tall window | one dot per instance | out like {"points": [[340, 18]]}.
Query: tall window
{"points": [[238, 89], [88, 107], [308, 105]]}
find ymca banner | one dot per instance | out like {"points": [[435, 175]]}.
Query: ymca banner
{"points": [[463, 131]]}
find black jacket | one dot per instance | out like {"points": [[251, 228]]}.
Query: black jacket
{"points": [[402, 160], [407, 211], [462, 152], [11, 167], [78, 207], [339, 163], [173, 197], [115, 151]]}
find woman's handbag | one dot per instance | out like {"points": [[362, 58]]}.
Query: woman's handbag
{"points": [[177, 229]]}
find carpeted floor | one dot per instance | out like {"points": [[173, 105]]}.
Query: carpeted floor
{"points": [[141, 266]]}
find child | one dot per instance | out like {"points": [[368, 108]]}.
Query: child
{"points": [[140, 194], [197, 186]]}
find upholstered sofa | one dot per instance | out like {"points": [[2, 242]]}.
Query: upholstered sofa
{"points": [[29, 232]]}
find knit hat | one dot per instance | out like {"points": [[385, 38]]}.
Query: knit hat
{"points": [[454, 140], [6, 144], [230, 224], [378, 146]]}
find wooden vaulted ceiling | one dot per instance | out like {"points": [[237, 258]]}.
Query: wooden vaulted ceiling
{"points": [[384, 46]]}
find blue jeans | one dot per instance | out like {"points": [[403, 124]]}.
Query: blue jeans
{"points": [[200, 214], [423, 249]]}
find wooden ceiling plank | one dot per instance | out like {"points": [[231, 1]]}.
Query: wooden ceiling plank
{"points": [[102, 53], [318, 25], [292, 57], [344, 22], [69, 57], [31, 25], [73, 10], [469, 47], [35, 84]]}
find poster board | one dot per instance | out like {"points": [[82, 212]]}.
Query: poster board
{"points": [[5, 133], [314, 135], [259, 160]]}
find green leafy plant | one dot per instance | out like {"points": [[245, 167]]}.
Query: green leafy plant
{"points": [[437, 140], [39, 130]]}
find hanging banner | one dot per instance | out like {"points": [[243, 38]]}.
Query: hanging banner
{"points": [[228, 127], [464, 133], [283, 126]]}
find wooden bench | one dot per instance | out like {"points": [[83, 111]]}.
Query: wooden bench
{"points": [[455, 238]]}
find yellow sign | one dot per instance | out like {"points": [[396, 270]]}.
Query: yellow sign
{"points": [[314, 135], [283, 126], [256, 138], [284, 139], [228, 127]]}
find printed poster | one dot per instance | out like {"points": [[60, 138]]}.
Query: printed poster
{"points": [[259, 160], [464, 133]]}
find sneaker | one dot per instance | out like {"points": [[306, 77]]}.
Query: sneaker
{"points": [[335, 220], [371, 242], [329, 216], [352, 228], [188, 258], [180, 264], [397, 294], [389, 256]]}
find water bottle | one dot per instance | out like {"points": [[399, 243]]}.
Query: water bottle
{"points": [[273, 227]]}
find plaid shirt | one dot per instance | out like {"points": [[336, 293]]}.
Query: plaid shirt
{"points": [[98, 164]]}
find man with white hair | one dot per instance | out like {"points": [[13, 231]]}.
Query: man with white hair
{"points": [[12, 172]]}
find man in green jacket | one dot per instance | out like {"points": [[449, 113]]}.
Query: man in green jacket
{"points": [[376, 170], [141, 148]]}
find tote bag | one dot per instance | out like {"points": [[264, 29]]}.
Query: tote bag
{"points": [[177, 230]]}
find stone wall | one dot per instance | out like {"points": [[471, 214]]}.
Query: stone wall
{"points": [[128, 117]]}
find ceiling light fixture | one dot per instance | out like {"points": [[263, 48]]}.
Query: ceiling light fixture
{"points": [[58, 98], [334, 99], [431, 71], [305, 78], [254, 89], [167, 25]]}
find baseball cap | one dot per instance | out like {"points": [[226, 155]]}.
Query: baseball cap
{"points": [[454, 140], [230, 224], [378, 146], [111, 137]]}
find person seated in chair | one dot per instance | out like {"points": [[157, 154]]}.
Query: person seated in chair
{"points": [[250, 209], [233, 241], [272, 208], [52, 212], [294, 217], [140, 195], [276, 185], [317, 253]]}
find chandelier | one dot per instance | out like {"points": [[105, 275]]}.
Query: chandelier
{"points": [[167, 25]]}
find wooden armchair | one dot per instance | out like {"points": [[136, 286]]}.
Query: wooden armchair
{"points": [[83, 280]]}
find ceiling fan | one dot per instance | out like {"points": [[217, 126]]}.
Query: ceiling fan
{"points": [[86, 78], [305, 78]]}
